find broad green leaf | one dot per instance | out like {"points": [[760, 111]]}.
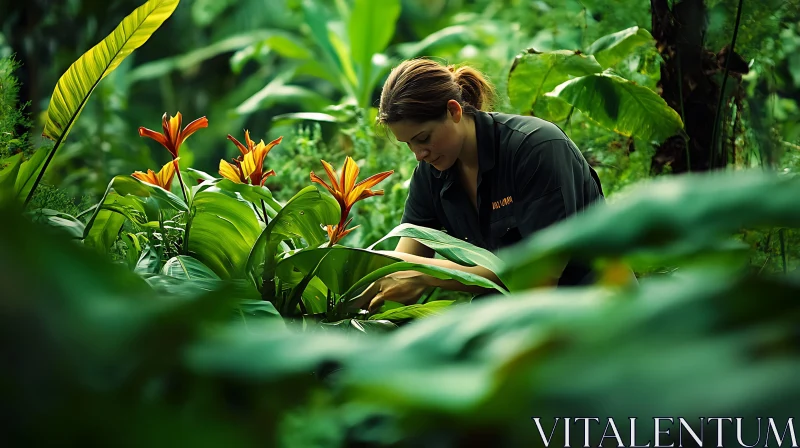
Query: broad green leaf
{"points": [[359, 326], [414, 311], [73, 226], [457, 36], [303, 216], [296, 294], [134, 249], [533, 74], [194, 177], [462, 277], [188, 268], [279, 91], [28, 171], [341, 268], [610, 49], [222, 232], [149, 201], [621, 106], [162, 67], [289, 46], [317, 20], [690, 214], [305, 116], [103, 228], [9, 169], [74, 87], [449, 247], [346, 60], [148, 262], [252, 193], [370, 29]]}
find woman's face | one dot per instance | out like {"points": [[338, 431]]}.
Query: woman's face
{"points": [[437, 142]]}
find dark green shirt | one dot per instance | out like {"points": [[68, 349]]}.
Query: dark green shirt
{"points": [[530, 175]]}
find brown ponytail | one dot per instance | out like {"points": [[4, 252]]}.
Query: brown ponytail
{"points": [[419, 89]]}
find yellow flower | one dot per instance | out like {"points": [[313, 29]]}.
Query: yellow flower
{"points": [[173, 136], [164, 177], [249, 166], [347, 192]]}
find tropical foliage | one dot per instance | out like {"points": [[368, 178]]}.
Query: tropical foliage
{"points": [[204, 295]]}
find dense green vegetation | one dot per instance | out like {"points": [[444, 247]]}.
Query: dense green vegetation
{"points": [[204, 300]]}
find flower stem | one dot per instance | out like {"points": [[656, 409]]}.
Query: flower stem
{"points": [[180, 180]]}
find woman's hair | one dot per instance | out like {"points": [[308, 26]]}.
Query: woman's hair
{"points": [[419, 89]]}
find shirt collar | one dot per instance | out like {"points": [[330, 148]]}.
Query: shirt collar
{"points": [[484, 135]]}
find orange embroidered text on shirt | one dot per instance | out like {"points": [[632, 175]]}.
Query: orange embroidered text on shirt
{"points": [[502, 202]]}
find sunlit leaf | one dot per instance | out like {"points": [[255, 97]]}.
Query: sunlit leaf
{"points": [[370, 29], [610, 49], [188, 268], [28, 171], [416, 311], [534, 74], [74, 87], [449, 247], [622, 106]]}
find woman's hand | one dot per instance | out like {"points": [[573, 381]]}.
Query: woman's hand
{"points": [[404, 287]]}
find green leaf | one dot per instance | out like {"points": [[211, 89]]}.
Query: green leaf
{"points": [[162, 67], [222, 232], [305, 116], [462, 277], [613, 48], [74, 87], [359, 326], [188, 268], [449, 247], [686, 215], [68, 223], [251, 193], [103, 228], [28, 171], [302, 217], [533, 74], [339, 267], [370, 29], [148, 262], [621, 106], [9, 169], [414, 311]]}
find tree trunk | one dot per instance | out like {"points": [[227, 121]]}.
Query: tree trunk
{"points": [[688, 85]]}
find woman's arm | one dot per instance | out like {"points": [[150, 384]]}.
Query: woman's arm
{"points": [[406, 287]]}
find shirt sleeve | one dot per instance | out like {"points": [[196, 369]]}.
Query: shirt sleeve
{"points": [[552, 182], [419, 209]]}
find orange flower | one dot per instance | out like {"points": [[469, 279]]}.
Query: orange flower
{"points": [[347, 192], [164, 177], [173, 136], [249, 165]]}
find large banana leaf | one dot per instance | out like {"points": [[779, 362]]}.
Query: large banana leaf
{"points": [[686, 215], [370, 29], [610, 49], [77, 83], [449, 247], [222, 231], [533, 74], [622, 106], [74, 87]]}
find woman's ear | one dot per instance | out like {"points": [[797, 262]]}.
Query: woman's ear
{"points": [[455, 111]]}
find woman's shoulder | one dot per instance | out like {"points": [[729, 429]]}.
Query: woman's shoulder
{"points": [[531, 129]]}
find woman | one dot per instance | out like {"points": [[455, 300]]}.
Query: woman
{"points": [[490, 179]]}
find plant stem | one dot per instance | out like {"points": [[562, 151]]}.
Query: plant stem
{"points": [[784, 258], [180, 181], [724, 82], [264, 209]]}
